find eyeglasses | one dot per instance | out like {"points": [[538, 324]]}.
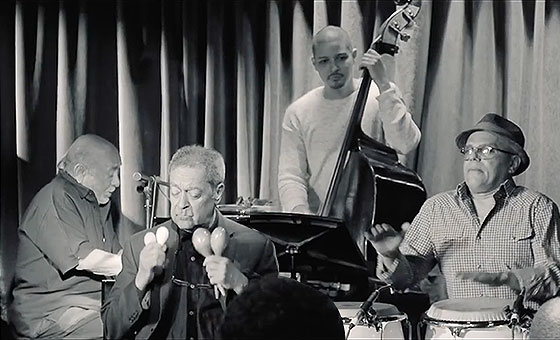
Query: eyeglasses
{"points": [[481, 152], [184, 283]]}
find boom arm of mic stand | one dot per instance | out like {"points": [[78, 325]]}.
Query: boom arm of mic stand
{"points": [[365, 307]]}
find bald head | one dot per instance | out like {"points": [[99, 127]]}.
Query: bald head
{"points": [[87, 149], [94, 163], [329, 34]]}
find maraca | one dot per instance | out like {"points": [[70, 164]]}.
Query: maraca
{"points": [[201, 242], [218, 242], [160, 236]]}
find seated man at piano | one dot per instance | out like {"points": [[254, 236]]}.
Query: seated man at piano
{"points": [[315, 124], [168, 286], [488, 226], [67, 245]]}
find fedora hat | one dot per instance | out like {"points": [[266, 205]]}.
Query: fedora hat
{"points": [[504, 128]]}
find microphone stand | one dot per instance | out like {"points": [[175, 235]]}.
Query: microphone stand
{"points": [[149, 189], [365, 310]]}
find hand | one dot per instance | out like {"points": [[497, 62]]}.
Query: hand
{"points": [[223, 272], [492, 279], [151, 263], [385, 239], [372, 60]]}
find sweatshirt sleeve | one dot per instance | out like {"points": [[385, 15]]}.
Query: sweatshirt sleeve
{"points": [[401, 132], [293, 173]]}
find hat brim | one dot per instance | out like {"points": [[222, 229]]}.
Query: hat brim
{"points": [[461, 140]]}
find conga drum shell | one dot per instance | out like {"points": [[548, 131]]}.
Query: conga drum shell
{"points": [[470, 309], [389, 323]]}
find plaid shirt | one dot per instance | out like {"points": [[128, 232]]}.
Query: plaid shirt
{"points": [[447, 232]]}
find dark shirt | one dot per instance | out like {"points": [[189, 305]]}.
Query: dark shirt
{"points": [[197, 312], [62, 225]]}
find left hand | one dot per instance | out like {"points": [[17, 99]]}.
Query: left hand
{"points": [[222, 271], [372, 60], [492, 279]]}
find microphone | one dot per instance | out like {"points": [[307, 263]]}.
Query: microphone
{"points": [[139, 177], [366, 306]]}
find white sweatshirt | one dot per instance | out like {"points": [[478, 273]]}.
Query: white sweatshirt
{"points": [[312, 133]]}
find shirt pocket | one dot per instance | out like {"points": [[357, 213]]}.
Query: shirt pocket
{"points": [[520, 250]]}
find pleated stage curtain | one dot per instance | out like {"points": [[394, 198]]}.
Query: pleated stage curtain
{"points": [[151, 76]]}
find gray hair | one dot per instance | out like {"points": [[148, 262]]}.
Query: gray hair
{"points": [[198, 156]]}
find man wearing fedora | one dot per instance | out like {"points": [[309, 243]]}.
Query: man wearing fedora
{"points": [[486, 233]]}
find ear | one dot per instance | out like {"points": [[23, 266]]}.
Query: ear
{"points": [[313, 62], [79, 172], [514, 164], [354, 53], [218, 192]]}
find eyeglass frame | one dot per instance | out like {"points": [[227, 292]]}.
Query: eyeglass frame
{"points": [[478, 151], [183, 283]]}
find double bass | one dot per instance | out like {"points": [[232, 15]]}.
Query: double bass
{"points": [[369, 185]]}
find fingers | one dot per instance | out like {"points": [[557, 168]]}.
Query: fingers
{"points": [[380, 231], [404, 227]]}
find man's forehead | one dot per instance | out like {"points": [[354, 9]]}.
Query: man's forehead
{"points": [[183, 173], [482, 137], [331, 47]]}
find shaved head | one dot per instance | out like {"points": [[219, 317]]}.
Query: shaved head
{"points": [[329, 34]]}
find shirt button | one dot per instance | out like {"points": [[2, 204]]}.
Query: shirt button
{"points": [[191, 312], [481, 295], [193, 258], [191, 286], [479, 266], [191, 338]]}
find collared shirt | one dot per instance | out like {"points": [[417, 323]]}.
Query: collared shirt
{"points": [[448, 232], [62, 225], [197, 311]]}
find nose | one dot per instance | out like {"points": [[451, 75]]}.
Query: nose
{"points": [[183, 200], [116, 181], [334, 67]]}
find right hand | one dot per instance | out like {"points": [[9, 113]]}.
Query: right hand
{"points": [[385, 239], [151, 263]]}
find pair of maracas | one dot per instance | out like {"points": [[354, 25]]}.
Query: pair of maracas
{"points": [[205, 243], [211, 244]]}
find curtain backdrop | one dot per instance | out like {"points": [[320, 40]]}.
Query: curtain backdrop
{"points": [[151, 76]]}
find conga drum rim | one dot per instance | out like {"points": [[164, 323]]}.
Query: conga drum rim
{"points": [[480, 309], [348, 309]]}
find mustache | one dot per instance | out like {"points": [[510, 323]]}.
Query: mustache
{"points": [[336, 74]]}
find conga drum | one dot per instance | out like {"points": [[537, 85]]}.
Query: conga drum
{"points": [[472, 318], [388, 323]]}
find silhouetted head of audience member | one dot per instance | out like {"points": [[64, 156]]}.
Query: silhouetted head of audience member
{"points": [[546, 323], [281, 308]]}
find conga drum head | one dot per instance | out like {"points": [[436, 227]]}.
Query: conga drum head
{"points": [[471, 318], [470, 309], [348, 309]]}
